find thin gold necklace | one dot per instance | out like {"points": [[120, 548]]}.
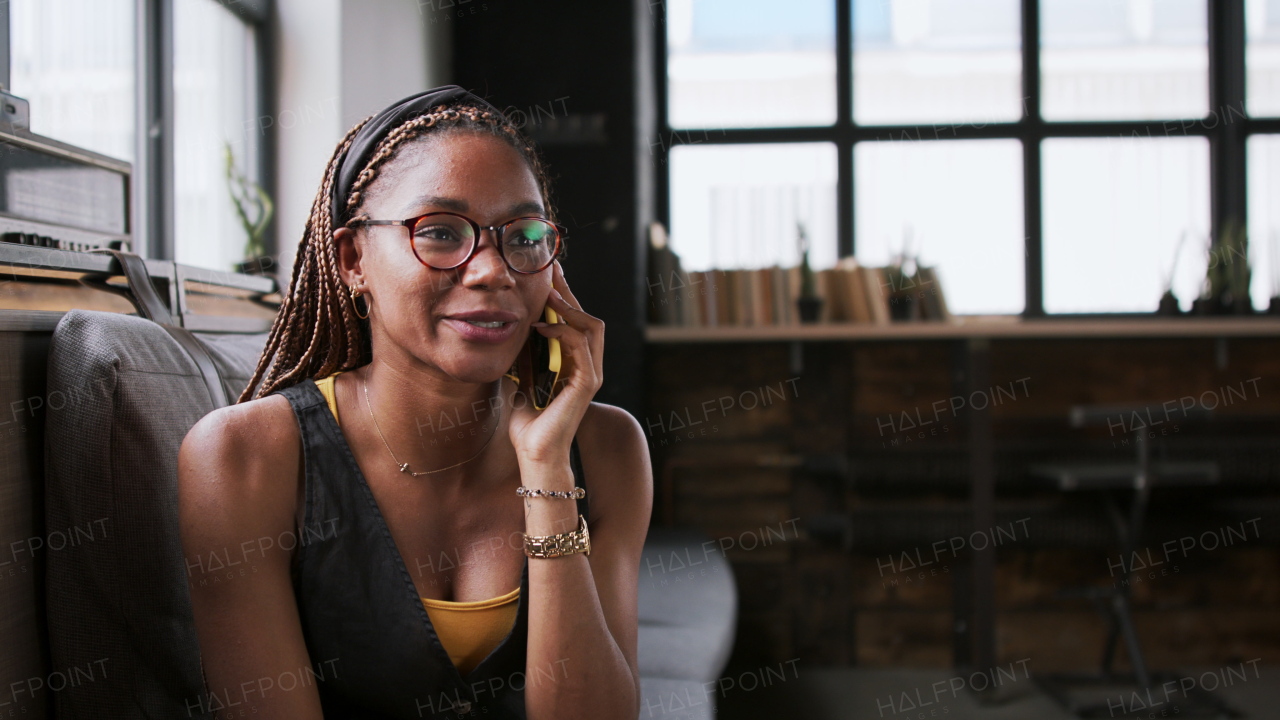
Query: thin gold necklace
{"points": [[404, 467]]}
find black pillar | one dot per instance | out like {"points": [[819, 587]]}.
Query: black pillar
{"points": [[1226, 111]]}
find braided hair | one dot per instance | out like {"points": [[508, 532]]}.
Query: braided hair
{"points": [[316, 331]]}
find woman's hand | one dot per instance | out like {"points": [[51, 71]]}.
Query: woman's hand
{"points": [[544, 436]]}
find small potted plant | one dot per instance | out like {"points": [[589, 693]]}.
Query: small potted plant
{"points": [[809, 303], [901, 275], [1239, 272], [1228, 272], [254, 209], [1169, 301]]}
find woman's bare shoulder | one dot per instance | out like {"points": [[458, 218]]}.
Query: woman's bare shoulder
{"points": [[615, 461], [237, 479], [604, 422], [238, 466]]}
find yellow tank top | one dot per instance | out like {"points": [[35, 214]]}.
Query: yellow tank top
{"points": [[469, 631]]}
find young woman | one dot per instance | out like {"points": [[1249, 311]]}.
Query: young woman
{"points": [[390, 528]]}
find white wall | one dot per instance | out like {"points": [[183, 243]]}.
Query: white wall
{"points": [[383, 55], [338, 61]]}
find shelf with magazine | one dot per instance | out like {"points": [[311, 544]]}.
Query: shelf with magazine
{"points": [[775, 296], [902, 301]]}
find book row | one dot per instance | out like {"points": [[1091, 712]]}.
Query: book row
{"points": [[849, 293]]}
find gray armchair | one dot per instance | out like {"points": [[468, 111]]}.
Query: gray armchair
{"points": [[122, 395], [688, 616]]}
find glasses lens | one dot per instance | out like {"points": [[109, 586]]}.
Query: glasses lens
{"points": [[529, 244], [443, 240]]}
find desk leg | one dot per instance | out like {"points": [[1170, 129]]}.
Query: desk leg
{"points": [[982, 500], [962, 565]]}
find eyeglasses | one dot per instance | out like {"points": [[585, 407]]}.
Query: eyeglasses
{"points": [[445, 240]]}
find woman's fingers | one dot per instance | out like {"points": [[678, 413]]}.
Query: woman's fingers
{"points": [[581, 342], [572, 315], [563, 301], [560, 284], [576, 345], [571, 339]]}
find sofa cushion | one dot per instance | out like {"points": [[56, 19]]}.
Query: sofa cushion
{"points": [[122, 394], [668, 699], [688, 606]]}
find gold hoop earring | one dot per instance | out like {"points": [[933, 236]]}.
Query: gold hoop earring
{"points": [[355, 293]]}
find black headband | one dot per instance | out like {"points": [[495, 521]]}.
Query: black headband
{"points": [[373, 132]]}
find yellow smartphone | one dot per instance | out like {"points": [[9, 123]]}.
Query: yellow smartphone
{"points": [[545, 361]]}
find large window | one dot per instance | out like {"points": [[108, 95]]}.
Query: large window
{"points": [[729, 68], [1262, 56], [973, 189], [1120, 216], [215, 106], [739, 199], [1045, 156], [74, 61], [80, 62], [924, 62], [1109, 60], [1264, 215]]}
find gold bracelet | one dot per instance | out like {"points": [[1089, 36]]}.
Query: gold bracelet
{"points": [[575, 494], [566, 543]]}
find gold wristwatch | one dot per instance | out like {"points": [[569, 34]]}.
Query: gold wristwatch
{"points": [[566, 543]]}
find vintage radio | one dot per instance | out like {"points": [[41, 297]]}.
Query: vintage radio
{"points": [[59, 196]]}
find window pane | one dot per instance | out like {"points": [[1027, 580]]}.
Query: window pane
{"points": [[1114, 211], [1264, 217], [919, 61], [957, 204], [73, 59], [1113, 60], [215, 84], [1262, 57], [736, 206], [750, 63]]}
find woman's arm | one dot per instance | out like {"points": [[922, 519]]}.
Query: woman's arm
{"points": [[582, 609], [237, 493]]}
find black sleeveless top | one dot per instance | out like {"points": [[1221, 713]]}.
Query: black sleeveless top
{"points": [[373, 651]]}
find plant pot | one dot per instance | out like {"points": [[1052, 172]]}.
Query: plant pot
{"points": [[904, 307], [1204, 306], [1274, 308], [1169, 305], [810, 308]]}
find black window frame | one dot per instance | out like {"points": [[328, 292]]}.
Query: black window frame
{"points": [[1227, 138]]}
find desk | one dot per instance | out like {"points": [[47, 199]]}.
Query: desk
{"points": [[972, 343]]}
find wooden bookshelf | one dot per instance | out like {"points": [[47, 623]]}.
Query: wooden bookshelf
{"points": [[976, 327]]}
